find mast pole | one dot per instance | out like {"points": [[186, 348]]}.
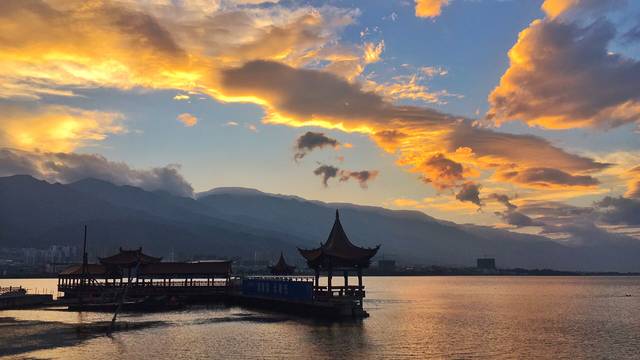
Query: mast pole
{"points": [[85, 262]]}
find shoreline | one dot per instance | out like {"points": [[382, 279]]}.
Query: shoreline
{"points": [[506, 272]]}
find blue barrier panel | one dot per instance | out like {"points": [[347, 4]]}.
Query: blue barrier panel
{"points": [[278, 289]]}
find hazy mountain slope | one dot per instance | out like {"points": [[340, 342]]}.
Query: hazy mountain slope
{"points": [[35, 213], [174, 208], [246, 222], [412, 236]]}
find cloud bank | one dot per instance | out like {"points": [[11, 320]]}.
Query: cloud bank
{"points": [[71, 167]]}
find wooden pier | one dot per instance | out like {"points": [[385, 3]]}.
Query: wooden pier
{"points": [[15, 297], [133, 277]]}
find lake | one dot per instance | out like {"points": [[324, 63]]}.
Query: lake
{"points": [[411, 317]]}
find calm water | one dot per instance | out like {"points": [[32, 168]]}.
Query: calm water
{"points": [[411, 317]]}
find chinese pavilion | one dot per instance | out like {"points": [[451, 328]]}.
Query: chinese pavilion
{"points": [[126, 263], [337, 255], [281, 267]]}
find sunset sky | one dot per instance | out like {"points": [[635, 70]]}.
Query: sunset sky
{"points": [[519, 114]]}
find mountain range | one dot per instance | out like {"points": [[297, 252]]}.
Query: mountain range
{"points": [[249, 224]]}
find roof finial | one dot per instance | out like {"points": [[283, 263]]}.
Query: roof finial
{"points": [[337, 215]]}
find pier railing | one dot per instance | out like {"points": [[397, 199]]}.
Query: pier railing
{"points": [[296, 278], [12, 291], [339, 291], [218, 283]]}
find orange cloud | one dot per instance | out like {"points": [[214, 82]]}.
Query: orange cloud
{"points": [[563, 76], [55, 127], [58, 48], [187, 119], [633, 184], [372, 52], [553, 8], [301, 97], [430, 8], [67, 46], [408, 87]]}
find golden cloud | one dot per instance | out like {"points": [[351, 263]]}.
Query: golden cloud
{"points": [[563, 76], [418, 135], [430, 8], [242, 55], [187, 119], [55, 127], [372, 52], [408, 87]]}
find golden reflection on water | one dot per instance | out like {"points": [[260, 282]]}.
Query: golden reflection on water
{"points": [[411, 317]]}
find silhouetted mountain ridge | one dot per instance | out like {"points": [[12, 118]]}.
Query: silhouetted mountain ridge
{"points": [[250, 223]]}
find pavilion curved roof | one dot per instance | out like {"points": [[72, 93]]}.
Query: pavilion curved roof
{"points": [[129, 258], [281, 267], [338, 251]]}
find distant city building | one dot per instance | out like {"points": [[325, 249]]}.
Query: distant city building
{"points": [[486, 263], [387, 265]]}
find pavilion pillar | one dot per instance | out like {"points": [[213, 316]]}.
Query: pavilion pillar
{"points": [[330, 275], [360, 293], [317, 277], [346, 283]]}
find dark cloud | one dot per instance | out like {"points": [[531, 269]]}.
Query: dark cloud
{"points": [[310, 141], [504, 200], [327, 172], [302, 96], [469, 192], [619, 210], [584, 232], [550, 210], [577, 225], [70, 167], [442, 172], [518, 219], [311, 94], [389, 139], [362, 176], [562, 75], [511, 216], [143, 29], [632, 35], [545, 177]]}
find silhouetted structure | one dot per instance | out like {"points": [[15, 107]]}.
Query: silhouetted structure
{"points": [[146, 275], [281, 267], [486, 263], [338, 254]]}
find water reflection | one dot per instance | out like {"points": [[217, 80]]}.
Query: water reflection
{"points": [[418, 317]]}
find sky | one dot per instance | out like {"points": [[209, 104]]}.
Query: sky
{"points": [[516, 114]]}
